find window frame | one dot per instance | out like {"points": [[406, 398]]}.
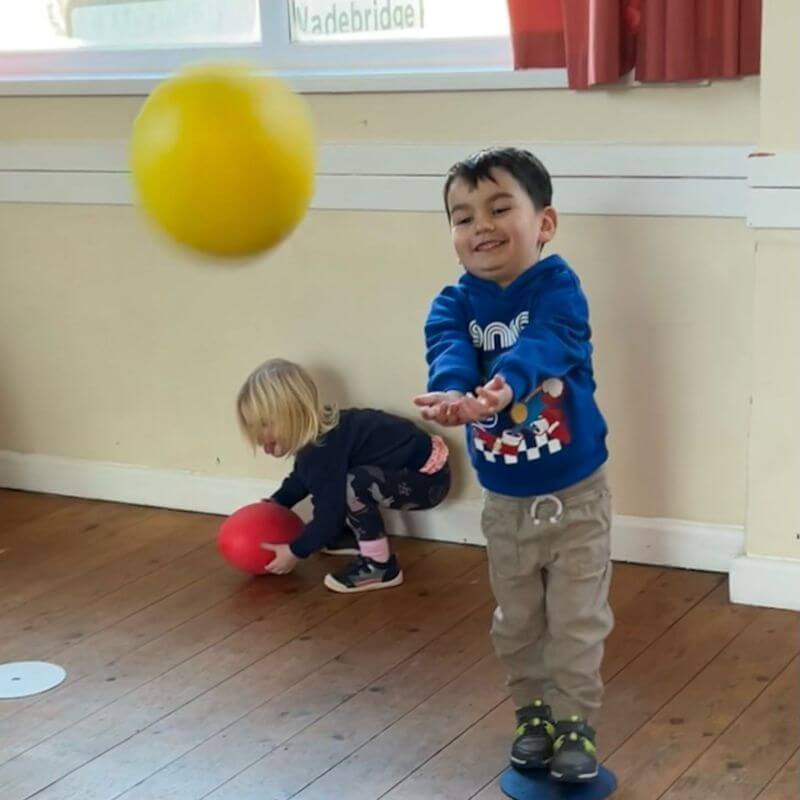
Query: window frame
{"points": [[430, 65]]}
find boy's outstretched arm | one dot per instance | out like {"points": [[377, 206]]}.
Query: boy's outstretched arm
{"points": [[449, 351]]}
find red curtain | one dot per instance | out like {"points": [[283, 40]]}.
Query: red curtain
{"points": [[599, 41]]}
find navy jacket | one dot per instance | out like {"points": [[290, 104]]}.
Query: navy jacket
{"points": [[363, 437]]}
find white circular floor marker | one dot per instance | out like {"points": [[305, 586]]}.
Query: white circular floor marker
{"points": [[25, 678]]}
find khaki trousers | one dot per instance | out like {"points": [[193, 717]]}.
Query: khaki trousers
{"points": [[550, 570]]}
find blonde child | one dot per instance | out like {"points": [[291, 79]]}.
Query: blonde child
{"points": [[351, 461]]}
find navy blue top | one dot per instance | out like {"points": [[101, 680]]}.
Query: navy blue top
{"points": [[536, 334], [363, 438]]}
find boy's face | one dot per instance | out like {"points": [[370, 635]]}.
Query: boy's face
{"points": [[497, 231]]}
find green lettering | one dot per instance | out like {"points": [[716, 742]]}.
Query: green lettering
{"points": [[330, 20], [386, 16], [357, 18], [300, 17]]}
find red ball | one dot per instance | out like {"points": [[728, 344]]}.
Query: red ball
{"points": [[242, 534]]}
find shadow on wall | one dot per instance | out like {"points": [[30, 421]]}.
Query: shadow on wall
{"points": [[332, 388]]}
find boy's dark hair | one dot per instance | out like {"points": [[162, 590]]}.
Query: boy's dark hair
{"points": [[523, 166]]}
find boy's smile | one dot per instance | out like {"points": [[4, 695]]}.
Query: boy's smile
{"points": [[497, 231], [489, 244]]}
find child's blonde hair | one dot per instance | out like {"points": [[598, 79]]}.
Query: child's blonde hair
{"points": [[282, 394]]}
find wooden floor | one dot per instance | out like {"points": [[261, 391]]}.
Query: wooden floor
{"points": [[187, 680]]}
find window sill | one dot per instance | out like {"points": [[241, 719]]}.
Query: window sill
{"points": [[328, 82]]}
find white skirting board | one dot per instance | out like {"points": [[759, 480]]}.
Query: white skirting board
{"points": [[644, 540], [762, 581]]}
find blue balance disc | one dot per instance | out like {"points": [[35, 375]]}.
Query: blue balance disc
{"points": [[538, 785]]}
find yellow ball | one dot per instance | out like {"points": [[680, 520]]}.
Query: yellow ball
{"points": [[223, 159]]}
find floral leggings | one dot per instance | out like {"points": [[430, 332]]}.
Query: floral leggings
{"points": [[369, 488]]}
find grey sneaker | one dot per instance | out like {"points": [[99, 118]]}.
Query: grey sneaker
{"points": [[363, 574], [574, 752], [345, 544], [532, 747]]}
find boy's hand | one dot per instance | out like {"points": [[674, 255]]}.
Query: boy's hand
{"points": [[473, 409], [489, 399], [442, 407], [285, 560]]}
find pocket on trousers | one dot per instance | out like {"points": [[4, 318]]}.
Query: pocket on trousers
{"points": [[585, 548], [500, 525], [585, 560], [590, 508]]}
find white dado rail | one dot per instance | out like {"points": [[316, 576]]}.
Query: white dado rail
{"points": [[773, 196], [605, 179]]}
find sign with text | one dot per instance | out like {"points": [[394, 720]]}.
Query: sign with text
{"points": [[324, 19]]}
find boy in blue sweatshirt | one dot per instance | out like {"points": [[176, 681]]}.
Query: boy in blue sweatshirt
{"points": [[509, 356]]}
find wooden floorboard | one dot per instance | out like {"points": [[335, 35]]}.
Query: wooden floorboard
{"points": [[145, 686], [677, 735], [105, 534], [471, 760], [753, 749], [50, 533], [786, 784], [188, 725], [21, 507], [417, 621], [173, 551], [187, 680]]}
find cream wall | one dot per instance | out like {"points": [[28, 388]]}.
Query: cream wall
{"points": [[721, 113], [780, 66], [116, 347], [773, 519]]}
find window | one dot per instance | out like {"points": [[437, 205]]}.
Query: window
{"points": [[73, 24], [321, 45], [149, 23], [322, 21]]}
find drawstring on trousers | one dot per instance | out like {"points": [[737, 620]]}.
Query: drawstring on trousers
{"points": [[554, 518]]}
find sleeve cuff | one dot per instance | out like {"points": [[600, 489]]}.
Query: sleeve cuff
{"points": [[298, 552], [449, 386], [518, 387]]}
